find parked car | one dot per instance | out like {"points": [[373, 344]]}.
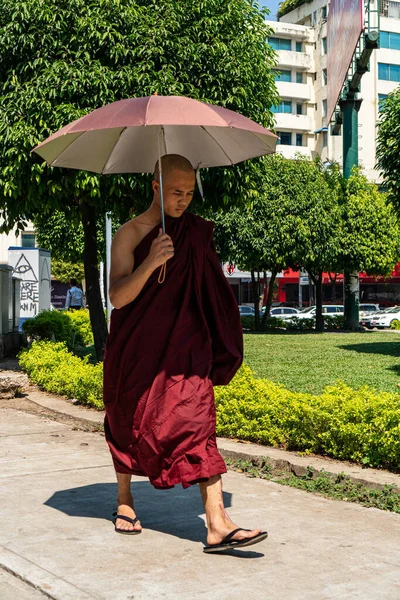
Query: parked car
{"points": [[282, 312], [367, 310], [385, 318], [328, 310], [366, 321], [246, 311]]}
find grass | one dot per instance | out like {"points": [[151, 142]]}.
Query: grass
{"points": [[308, 362], [338, 487]]}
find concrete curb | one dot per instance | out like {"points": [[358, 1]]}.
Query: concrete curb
{"points": [[280, 460]]}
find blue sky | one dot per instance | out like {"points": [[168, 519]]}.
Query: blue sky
{"points": [[273, 7]]}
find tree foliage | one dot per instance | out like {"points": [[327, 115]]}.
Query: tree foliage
{"points": [[293, 222], [60, 60], [388, 145], [370, 231]]}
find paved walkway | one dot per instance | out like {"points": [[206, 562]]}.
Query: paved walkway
{"points": [[57, 492]]}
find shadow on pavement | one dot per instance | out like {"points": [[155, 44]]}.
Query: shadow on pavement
{"points": [[174, 512]]}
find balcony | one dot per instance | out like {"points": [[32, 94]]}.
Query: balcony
{"points": [[298, 60], [293, 122], [390, 9], [297, 91], [291, 151]]}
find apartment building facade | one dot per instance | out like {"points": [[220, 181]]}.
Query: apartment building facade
{"points": [[300, 39]]}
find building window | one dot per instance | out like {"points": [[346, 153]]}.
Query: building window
{"points": [[324, 139], [299, 139], [299, 109], [324, 45], [389, 39], [388, 72], [299, 77], [28, 240], [283, 76], [381, 100], [280, 43], [283, 107], [324, 107], [324, 12], [285, 138], [324, 77], [299, 47]]}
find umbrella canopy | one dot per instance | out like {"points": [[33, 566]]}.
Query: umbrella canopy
{"points": [[130, 135]]}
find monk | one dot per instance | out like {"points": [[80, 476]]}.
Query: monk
{"points": [[170, 342]]}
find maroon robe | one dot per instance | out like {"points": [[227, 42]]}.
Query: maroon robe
{"points": [[165, 351]]}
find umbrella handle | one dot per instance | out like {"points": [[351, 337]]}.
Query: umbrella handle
{"points": [[160, 137]]}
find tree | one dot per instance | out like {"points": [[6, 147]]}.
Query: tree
{"points": [[61, 60], [388, 145], [370, 230], [293, 222]]}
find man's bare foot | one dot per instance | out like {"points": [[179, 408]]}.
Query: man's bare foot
{"points": [[218, 531], [126, 508]]}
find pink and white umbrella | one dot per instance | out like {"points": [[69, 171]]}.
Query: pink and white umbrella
{"points": [[128, 136]]}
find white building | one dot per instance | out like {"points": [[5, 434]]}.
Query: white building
{"points": [[26, 239], [301, 119]]}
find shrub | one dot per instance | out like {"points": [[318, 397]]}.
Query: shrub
{"points": [[80, 321], [249, 323], [49, 325], [71, 327], [53, 368], [395, 324], [359, 425]]}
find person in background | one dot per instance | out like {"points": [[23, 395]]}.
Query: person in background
{"points": [[74, 300]]}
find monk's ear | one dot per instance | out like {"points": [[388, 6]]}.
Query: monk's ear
{"points": [[156, 186]]}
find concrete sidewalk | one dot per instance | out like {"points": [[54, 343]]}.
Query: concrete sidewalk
{"points": [[58, 492]]}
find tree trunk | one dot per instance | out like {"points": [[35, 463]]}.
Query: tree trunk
{"points": [[270, 294], [256, 298], [351, 300], [333, 282], [319, 318], [93, 295]]}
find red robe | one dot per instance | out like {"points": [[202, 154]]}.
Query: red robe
{"points": [[164, 353]]}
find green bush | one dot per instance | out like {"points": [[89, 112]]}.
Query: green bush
{"points": [[80, 321], [53, 368], [395, 324], [49, 325], [288, 5], [249, 323], [358, 425], [71, 327]]}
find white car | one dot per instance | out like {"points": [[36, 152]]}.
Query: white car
{"points": [[385, 317], [328, 310], [282, 312], [366, 310]]}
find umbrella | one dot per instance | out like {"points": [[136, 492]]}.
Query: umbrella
{"points": [[129, 136]]}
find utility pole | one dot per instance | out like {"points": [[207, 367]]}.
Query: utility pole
{"points": [[347, 117]]}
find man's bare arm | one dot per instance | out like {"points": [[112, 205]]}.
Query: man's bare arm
{"points": [[126, 285]]}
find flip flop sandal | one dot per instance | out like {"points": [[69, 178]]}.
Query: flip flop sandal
{"points": [[228, 544], [126, 531]]}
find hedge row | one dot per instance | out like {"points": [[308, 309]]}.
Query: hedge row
{"points": [[294, 324], [358, 425], [71, 327], [55, 369]]}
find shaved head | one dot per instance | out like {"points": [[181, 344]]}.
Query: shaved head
{"points": [[170, 163]]}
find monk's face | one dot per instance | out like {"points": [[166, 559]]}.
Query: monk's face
{"points": [[178, 187]]}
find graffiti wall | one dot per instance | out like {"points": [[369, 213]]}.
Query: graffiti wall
{"points": [[33, 267]]}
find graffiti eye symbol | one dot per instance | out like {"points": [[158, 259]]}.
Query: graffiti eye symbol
{"points": [[22, 269]]}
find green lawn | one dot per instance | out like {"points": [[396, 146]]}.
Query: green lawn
{"points": [[309, 362]]}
